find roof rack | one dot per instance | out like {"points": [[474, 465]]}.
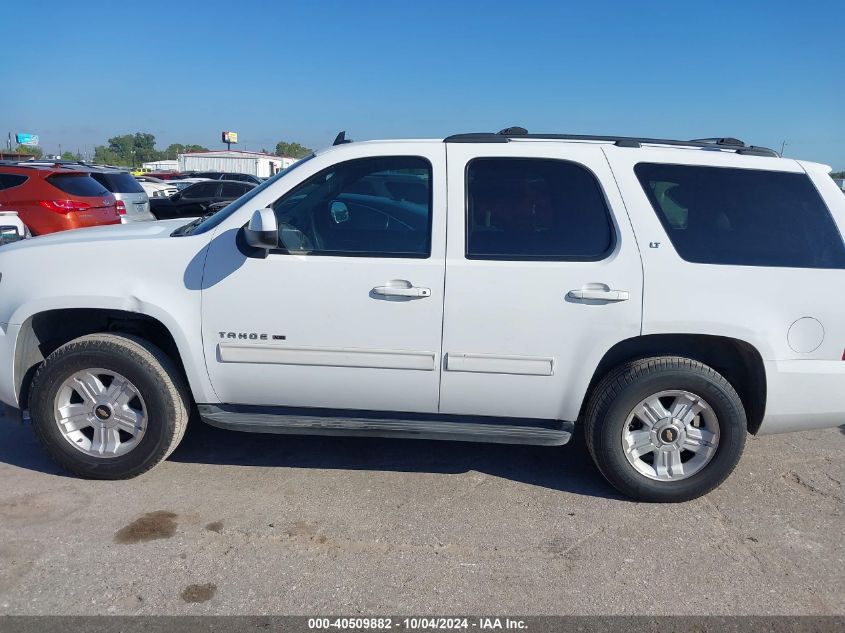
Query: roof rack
{"points": [[504, 136], [42, 162]]}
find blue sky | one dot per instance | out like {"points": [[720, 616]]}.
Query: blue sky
{"points": [[762, 71]]}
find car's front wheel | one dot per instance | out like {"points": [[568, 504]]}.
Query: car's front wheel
{"points": [[665, 429], [108, 406]]}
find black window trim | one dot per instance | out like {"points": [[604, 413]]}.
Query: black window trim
{"points": [[659, 214], [614, 233], [370, 254]]}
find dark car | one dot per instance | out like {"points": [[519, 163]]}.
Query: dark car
{"points": [[225, 175], [195, 200]]}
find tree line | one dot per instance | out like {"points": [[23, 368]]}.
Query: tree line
{"points": [[131, 150]]}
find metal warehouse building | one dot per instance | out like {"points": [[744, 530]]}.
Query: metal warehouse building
{"points": [[255, 163]]}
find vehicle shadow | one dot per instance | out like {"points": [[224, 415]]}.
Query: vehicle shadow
{"points": [[563, 468], [20, 448]]}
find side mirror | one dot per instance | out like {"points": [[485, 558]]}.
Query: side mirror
{"points": [[262, 230], [339, 212]]}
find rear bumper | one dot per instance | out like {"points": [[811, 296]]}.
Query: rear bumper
{"points": [[132, 218], [803, 395]]}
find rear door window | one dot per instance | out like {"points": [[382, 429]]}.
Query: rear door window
{"points": [[743, 217], [535, 209], [201, 190], [232, 190], [78, 185]]}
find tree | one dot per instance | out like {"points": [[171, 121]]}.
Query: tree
{"points": [[838, 174], [174, 149], [128, 149], [294, 150], [30, 150], [71, 156]]}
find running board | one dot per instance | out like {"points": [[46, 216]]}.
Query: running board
{"points": [[303, 421]]}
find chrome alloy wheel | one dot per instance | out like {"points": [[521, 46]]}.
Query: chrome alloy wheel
{"points": [[670, 435], [100, 413]]}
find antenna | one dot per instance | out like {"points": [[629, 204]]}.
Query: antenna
{"points": [[340, 139]]}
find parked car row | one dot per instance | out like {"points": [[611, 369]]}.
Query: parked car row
{"points": [[56, 197], [50, 196]]}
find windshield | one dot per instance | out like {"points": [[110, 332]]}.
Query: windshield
{"points": [[215, 220]]}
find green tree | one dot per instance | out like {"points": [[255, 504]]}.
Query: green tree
{"points": [[30, 150], [838, 174], [174, 149], [71, 156], [128, 149], [105, 156], [294, 150]]}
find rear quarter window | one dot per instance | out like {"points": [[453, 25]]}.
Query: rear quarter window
{"points": [[7, 181], [78, 185], [743, 217]]}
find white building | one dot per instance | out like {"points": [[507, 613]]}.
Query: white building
{"points": [[255, 163], [161, 165]]}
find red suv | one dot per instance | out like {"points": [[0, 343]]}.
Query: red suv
{"points": [[50, 198]]}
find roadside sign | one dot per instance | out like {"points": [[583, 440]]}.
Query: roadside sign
{"points": [[26, 139], [230, 137]]}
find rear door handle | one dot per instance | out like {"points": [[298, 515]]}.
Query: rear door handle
{"points": [[599, 295], [401, 289]]}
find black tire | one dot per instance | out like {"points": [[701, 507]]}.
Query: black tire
{"points": [[622, 389], [149, 369]]}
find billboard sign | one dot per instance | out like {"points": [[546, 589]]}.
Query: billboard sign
{"points": [[230, 137], [26, 139]]}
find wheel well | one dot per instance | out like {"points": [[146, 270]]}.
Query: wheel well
{"points": [[45, 332], [739, 362]]}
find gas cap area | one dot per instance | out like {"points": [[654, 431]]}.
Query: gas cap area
{"points": [[805, 335]]}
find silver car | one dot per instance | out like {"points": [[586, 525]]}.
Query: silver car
{"points": [[126, 189]]}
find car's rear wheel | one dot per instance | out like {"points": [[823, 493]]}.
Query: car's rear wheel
{"points": [[665, 429], [108, 406]]}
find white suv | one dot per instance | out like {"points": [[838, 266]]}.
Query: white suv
{"points": [[670, 296]]}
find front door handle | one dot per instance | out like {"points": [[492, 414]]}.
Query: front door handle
{"points": [[599, 294], [401, 288]]}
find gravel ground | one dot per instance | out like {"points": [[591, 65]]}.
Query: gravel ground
{"points": [[246, 524]]}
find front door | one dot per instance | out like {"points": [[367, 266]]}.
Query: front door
{"points": [[543, 276], [348, 315]]}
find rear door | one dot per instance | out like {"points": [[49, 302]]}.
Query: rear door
{"points": [[543, 276]]}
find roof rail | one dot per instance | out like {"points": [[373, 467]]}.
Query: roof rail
{"points": [[507, 134]]}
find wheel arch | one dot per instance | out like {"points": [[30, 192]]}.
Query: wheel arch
{"points": [[44, 332], [738, 361]]}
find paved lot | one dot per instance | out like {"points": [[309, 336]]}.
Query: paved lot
{"points": [[238, 523]]}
